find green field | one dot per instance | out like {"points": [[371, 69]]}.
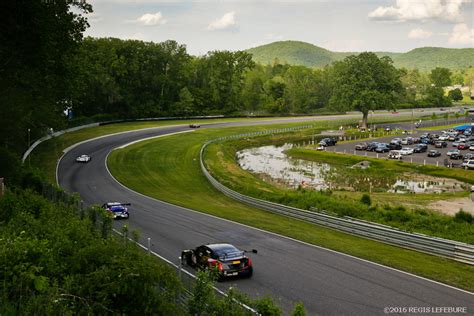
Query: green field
{"points": [[46, 155], [168, 169]]}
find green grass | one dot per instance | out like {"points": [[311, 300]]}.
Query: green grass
{"points": [[46, 155], [168, 169]]}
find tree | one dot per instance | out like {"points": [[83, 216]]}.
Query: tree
{"points": [[440, 77], [186, 103], [364, 83], [435, 97], [38, 38], [455, 95]]}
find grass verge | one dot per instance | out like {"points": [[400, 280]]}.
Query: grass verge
{"points": [[168, 169], [46, 155]]}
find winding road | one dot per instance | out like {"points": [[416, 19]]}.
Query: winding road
{"points": [[327, 282]]}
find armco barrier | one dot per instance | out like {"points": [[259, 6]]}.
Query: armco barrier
{"points": [[435, 246]]}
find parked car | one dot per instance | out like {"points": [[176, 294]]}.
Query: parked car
{"points": [[456, 156], [425, 141], [468, 164], [441, 144], [225, 258], [83, 158], [394, 154], [463, 146], [361, 146], [471, 147], [372, 146], [395, 146], [443, 137], [328, 142], [117, 210], [382, 149], [468, 156], [407, 141], [456, 143], [396, 140], [434, 153], [406, 151], [452, 151], [420, 148]]}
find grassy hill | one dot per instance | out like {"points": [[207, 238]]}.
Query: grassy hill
{"points": [[301, 53]]}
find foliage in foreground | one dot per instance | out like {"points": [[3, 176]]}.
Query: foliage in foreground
{"points": [[55, 263]]}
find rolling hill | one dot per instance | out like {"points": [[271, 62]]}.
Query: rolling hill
{"points": [[301, 53]]}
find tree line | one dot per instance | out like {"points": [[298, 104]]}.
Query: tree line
{"points": [[130, 78], [109, 78]]}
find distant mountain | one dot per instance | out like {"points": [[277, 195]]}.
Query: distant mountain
{"points": [[301, 53]]}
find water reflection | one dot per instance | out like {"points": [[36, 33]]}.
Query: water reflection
{"points": [[272, 161]]}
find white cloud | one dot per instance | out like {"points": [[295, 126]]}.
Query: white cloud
{"points": [[419, 34], [462, 35], [227, 21], [420, 10], [150, 19]]}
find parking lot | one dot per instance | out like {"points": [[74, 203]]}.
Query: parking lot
{"points": [[420, 158]]}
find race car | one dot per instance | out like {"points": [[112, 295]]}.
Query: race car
{"points": [[83, 158], [194, 125], [226, 259], [117, 210]]}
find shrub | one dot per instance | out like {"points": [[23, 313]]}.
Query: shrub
{"points": [[463, 216], [365, 199]]}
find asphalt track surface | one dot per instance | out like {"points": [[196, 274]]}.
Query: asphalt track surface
{"points": [[327, 282]]}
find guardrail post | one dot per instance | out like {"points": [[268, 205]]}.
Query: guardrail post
{"points": [[437, 163], [149, 245], [180, 267]]}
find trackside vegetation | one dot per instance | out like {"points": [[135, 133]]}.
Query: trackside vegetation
{"points": [[57, 260], [149, 167]]}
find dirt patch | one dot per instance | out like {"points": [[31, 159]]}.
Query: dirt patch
{"points": [[451, 207]]}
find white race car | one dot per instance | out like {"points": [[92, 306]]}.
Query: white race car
{"points": [[83, 158]]}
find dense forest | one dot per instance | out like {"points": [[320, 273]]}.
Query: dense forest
{"points": [[309, 55], [53, 78]]}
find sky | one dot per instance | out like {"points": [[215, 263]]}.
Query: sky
{"points": [[338, 25]]}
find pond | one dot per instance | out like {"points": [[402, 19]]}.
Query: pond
{"points": [[272, 164]]}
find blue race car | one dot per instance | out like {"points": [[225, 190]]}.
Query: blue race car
{"points": [[117, 210]]}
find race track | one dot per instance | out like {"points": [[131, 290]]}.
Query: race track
{"points": [[328, 283]]}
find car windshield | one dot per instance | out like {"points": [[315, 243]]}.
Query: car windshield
{"points": [[227, 251], [117, 208]]}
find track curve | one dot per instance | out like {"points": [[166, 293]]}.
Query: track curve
{"points": [[327, 282]]}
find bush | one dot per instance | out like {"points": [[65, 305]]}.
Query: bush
{"points": [[365, 199], [463, 216]]}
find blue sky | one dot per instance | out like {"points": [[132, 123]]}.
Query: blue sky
{"points": [[350, 25]]}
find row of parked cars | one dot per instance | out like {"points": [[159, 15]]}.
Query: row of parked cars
{"points": [[398, 147]]}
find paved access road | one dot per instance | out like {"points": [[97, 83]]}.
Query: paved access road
{"points": [[328, 283]]}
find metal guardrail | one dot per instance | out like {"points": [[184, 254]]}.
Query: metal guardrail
{"points": [[431, 245]]}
